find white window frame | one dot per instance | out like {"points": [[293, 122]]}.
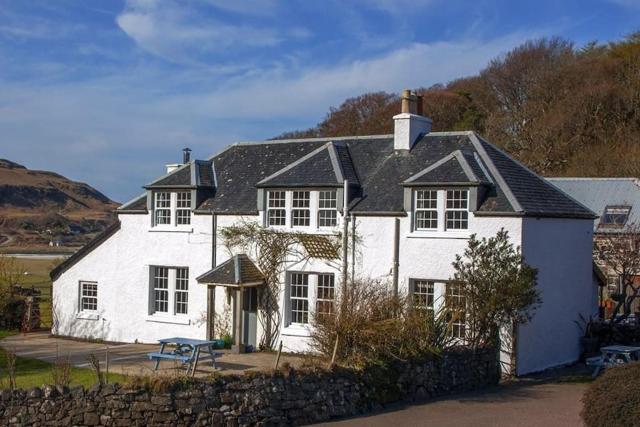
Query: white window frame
{"points": [[458, 206], [277, 205], [318, 205], [423, 294], [317, 292], [459, 325], [183, 208], [442, 293], [176, 205], [420, 208], [325, 294], [162, 204], [299, 294], [441, 211], [298, 207], [327, 208], [175, 295], [86, 294]]}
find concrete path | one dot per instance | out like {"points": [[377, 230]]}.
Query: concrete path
{"points": [[525, 403], [131, 359]]}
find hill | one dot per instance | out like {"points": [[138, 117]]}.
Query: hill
{"points": [[561, 109], [40, 208]]}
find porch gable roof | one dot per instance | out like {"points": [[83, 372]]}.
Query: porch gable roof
{"points": [[237, 271]]}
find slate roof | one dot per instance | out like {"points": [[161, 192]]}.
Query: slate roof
{"points": [[197, 173], [453, 169], [376, 171], [598, 193], [318, 168], [137, 205], [238, 270]]}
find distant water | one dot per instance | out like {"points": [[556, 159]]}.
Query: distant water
{"points": [[39, 256]]}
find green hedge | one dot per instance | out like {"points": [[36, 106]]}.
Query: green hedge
{"points": [[614, 398]]}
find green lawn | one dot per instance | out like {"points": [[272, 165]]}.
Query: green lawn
{"points": [[35, 373]]}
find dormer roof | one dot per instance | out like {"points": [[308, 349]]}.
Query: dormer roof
{"points": [[327, 166], [195, 174], [457, 168]]}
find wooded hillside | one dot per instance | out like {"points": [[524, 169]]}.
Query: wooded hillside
{"points": [[559, 108]]}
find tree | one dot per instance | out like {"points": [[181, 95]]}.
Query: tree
{"points": [[620, 254], [11, 306], [498, 287]]}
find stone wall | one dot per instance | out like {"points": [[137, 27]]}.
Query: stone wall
{"points": [[288, 398]]}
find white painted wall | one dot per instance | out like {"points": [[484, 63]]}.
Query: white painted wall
{"points": [[561, 250], [120, 266]]}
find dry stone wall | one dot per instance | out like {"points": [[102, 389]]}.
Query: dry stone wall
{"points": [[280, 398]]}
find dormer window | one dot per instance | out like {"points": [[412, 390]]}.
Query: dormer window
{"points": [[327, 208], [172, 208], [431, 206], [457, 212], [183, 208], [276, 208], [311, 209], [163, 208], [426, 210], [301, 212]]}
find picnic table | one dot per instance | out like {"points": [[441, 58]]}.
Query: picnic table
{"points": [[614, 355], [187, 351]]}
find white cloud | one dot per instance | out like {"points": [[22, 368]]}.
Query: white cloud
{"points": [[631, 4], [181, 34]]}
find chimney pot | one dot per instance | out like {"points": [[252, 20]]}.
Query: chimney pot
{"points": [[406, 101], [419, 105], [409, 125], [186, 155]]}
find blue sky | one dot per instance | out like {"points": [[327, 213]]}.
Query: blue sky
{"points": [[107, 92]]}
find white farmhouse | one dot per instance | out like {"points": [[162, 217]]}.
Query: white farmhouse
{"points": [[413, 197]]}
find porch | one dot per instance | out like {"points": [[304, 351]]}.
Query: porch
{"points": [[132, 359]]}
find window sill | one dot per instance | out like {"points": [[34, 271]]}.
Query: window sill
{"points": [[85, 315], [439, 234], [171, 229], [175, 320], [297, 330]]}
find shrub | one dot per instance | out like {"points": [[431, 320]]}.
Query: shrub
{"points": [[614, 398], [372, 326]]}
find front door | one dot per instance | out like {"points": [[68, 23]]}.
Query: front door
{"points": [[249, 316]]}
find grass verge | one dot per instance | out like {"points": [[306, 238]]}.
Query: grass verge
{"points": [[35, 373]]}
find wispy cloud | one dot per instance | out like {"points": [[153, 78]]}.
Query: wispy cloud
{"points": [[134, 124], [182, 34]]}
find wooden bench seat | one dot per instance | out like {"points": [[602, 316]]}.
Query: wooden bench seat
{"points": [[169, 356]]}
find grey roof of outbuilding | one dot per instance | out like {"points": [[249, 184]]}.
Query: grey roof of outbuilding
{"points": [[598, 193], [237, 270], [379, 173]]}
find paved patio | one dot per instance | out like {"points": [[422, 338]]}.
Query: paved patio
{"points": [[131, 359]]}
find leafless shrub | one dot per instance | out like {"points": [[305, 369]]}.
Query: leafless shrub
{"points": [[94, 363], [372, 326], [10, 366], [61, 371]]}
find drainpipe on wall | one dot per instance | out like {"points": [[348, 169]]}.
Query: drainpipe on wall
{"points": [[396, 255], [214, 229], [345, 237], [353, 247]]}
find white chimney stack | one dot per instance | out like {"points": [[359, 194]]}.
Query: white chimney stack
{"points": [[409, 124]]}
